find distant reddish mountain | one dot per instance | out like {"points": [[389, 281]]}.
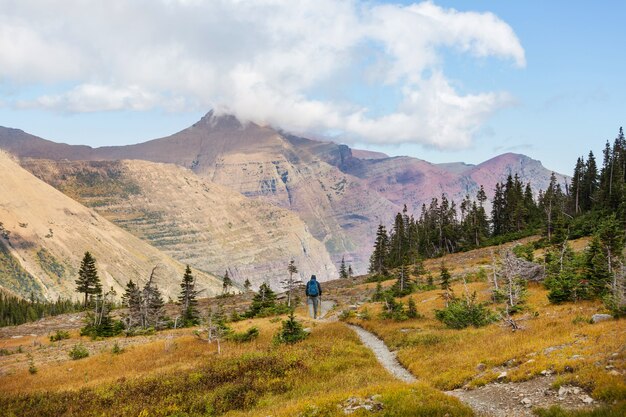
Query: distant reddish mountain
{"points": [[341, 194]]}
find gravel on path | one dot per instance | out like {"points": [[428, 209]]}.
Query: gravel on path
{"points": [[383, 354]]}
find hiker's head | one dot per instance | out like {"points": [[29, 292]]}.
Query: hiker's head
{"points": [[313, 277]]}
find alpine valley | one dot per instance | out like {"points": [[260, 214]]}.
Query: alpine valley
{"points": [[220, 195]]}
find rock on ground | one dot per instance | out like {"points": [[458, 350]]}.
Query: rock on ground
{"points": [[518, 399]]}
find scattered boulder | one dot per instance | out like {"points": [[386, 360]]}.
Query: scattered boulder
{"points": [[526, 402], [502, 376], [353, 404], [586, 399], [510, 363], [566, 390], [481, 367], [597, 318]]}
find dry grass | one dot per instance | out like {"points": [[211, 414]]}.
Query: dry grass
{"points": [[189, 378], [175, 373], [552, 336]]}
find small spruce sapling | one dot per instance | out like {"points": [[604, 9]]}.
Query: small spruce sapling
{"points": [[291, 331], [412, 312]]}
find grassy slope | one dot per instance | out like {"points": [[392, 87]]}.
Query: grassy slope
{"points": [[314, 377], [557, 338], [187, 377], [551, 338]]}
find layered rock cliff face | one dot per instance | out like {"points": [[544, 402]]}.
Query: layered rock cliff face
{"points": [[195, 221], [47, 233]]}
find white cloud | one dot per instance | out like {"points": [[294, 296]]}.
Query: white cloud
{"points": [[94, 97], [263, 60]]}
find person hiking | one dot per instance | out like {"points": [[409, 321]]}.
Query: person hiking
{"points": [[313, 292]]}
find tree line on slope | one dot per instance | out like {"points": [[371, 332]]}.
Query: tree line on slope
{"points": [[15, 310], [592, 204]]}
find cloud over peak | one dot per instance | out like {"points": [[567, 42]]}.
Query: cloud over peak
{"points": [[265, 61]]}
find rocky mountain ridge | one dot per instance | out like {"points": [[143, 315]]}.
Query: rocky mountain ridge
{"points": [[340, 196]]}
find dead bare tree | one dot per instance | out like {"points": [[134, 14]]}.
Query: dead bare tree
{"points": [[515, 285], [291, 283], [494, 277], [618, 288], [513, 273], [214, 328]]}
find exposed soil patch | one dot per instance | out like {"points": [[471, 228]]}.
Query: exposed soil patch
{"points": [[519, 399]]}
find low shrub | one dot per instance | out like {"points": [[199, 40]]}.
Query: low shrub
{"points": [[116, 350], [78, 352], [32, 369], [138, 331], [411, 311], [291, 331], [393, 310], [364, 314], [242, 337], [107, 327], [464, 312], [59, 335], [347, 314]]}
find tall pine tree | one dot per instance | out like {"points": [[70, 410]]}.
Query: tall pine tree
{"points": [[378, 260], [343, 271], [227, 282], [187, 299], [88, 281]]}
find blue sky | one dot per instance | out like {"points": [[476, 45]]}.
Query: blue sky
{"points": [[544, 78], [570, 96]]}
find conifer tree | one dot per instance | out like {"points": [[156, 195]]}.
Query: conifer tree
{"points": [[446, 286], [445, 277], [589, 184], [552, 203], [263, 300], [88, 282], [611, 236], [247, 285], [378, 260], [596, 267], [402, 285], [343, 271], [132, 300], [187, 299], [153, 305], [498, 211], [227, 282], [350, 272], [576, 186], [412, 312], [290, 283], [398, 243]]}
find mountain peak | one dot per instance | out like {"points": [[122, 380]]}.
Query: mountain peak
{"points": [[220, 121]]}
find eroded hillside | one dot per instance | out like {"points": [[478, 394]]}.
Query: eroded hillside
{"points": [[192, 219], [47, 233]]}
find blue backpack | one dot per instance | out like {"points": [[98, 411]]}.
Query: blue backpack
{"points": [[312, 289]]}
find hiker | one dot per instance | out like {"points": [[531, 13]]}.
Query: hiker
{"points": [[313, 292]]}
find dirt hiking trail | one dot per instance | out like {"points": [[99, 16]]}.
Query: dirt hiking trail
{"points": [[383, 354]]}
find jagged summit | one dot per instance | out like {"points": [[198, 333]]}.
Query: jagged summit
{"points": [[220, 121]]}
